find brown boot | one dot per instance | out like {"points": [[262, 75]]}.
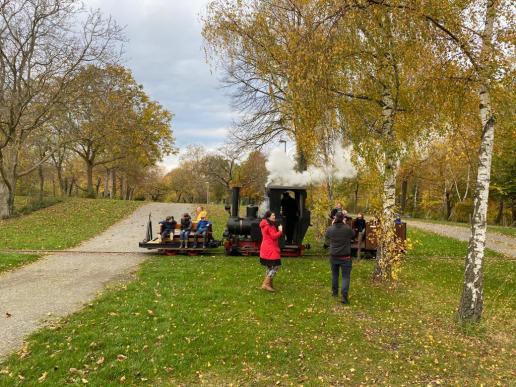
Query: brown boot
{"points": [[270, 284], [267, 284]]}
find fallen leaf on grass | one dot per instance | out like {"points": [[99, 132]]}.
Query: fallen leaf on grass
{"points": [[43, 376], [121, 357], [101, 360]]}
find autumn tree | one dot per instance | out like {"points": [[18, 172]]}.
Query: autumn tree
{"points": [[114, 123], [262, 47], [220, 168], [252, 177], [44, 43]]}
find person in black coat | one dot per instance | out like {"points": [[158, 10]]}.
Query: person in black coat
{"points": [[339, 236], [290, 212], [359, 225]]}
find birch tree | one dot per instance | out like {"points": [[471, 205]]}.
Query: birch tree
{"points": [[261, 46]]}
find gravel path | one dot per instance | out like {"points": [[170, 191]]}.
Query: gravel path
{"points": [[62, 283], [497, 242]]}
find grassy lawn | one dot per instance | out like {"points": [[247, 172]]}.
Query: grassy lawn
{"points": [[60, 226], [12, 260], [195, 320], [510, 231]]}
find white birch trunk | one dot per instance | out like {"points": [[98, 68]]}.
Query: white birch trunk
{"points": [[472, 300], [390, 170]]}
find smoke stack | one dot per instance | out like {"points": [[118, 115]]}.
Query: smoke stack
{"points": [[235, 201]]}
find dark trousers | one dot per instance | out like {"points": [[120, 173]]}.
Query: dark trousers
{"points": [[290, 226], [345, 266]]}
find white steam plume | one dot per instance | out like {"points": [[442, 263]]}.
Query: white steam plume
{"points": [[281, 169]]}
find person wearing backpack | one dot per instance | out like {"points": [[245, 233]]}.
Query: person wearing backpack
{"points": [[339, 236]]}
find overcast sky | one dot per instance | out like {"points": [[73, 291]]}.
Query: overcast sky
{"points": [[165, 54]]}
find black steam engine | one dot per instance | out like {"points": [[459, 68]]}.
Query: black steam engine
{"points": [[243, 235]]}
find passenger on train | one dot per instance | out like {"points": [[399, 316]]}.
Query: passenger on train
{"points": [[186, 227], [200, 213], [202, 229], [335, 210], [167, 226]]}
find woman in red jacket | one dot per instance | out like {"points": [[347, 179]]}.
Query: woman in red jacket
{"points": [[269, 249]]}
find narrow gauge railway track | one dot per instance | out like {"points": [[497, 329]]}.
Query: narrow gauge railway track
{"points": [[79, 252]]}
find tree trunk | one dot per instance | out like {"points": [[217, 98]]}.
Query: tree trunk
{"points": [[447, 203], [70, 188], [89, 174], [106, 184], [414, 206], [112, 192], [356, 198], [41, 183], [122, 187], [97, 186], [62, 182], [6, 201], [383, 268], [499, 215], [403, 197], [472, 299], [302, 161]]}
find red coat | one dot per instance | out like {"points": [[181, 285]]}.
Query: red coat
{"points": [[269, 249]]}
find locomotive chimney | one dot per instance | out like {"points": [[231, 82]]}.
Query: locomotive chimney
{"points": [[235, 201]]}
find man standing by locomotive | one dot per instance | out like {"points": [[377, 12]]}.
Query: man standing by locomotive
{"points": [[290, 212], [339, 236], [359, 225]]}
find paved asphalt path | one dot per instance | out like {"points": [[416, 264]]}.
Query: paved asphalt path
{"points": [[61, 283], [495, 241]]}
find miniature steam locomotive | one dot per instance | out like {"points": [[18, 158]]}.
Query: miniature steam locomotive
{"points": [[243, 235]]}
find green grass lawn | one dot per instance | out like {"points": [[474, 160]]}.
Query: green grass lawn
{"points": [[194, 320], [58, 227], [510, 231]]}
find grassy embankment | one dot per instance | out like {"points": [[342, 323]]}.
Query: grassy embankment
{"points": [[60, 226], [193, 320]]}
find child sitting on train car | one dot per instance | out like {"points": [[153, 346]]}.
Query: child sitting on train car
{"points": [[186, 227], [167, 227], [202, 229]]}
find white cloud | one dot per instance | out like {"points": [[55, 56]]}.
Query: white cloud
{"points": [[165, 54]]}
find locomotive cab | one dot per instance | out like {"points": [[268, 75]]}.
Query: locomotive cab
{"points": [[243, 235], [299, 223]]}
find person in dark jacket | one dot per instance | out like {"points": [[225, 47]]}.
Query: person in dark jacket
{"points": [[167, 227], [339, 236], [359, 225], [335, 210], [186, 227], [290, 212], [269, 249]]}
